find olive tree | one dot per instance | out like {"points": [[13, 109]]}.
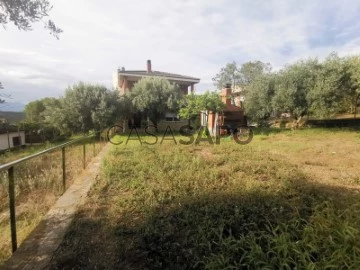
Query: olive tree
{"points": [[153, 97]]}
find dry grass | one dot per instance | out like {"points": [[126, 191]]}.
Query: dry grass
{"points": [[329, 157], [38, 185], [287, 200]]}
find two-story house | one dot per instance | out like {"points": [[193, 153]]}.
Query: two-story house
{"points": [[124, 80]]}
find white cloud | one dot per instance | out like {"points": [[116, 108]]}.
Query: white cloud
{"points": [[194, 37]]}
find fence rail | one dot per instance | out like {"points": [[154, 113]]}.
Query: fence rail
{"points": [[9, 167]]}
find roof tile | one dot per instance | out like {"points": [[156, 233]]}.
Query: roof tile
{"points": [[157, 74]]}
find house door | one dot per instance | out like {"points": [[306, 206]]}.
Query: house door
{"points": [[16, 141]]}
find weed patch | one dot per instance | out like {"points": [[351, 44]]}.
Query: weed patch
{"points": [[218, 207]]}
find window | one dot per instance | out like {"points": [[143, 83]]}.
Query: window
{"points": [[171, 117]]}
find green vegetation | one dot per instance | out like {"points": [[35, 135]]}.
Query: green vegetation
{"points": [[307, 87], [23, 13], [192, 104], [153, 97], [241, 76], [83, 108], [288, 200], [16, 153], [38, 184], [87, 108]]}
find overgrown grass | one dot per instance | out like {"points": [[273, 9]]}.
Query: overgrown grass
{"points": [[38, 185], [273, 204], [16, 153]]}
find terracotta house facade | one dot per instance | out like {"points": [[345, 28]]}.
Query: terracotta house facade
{"points": [[124, 80]]}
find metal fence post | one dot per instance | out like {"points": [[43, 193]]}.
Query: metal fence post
{"points": [[12, 208], [84, 153], [63, 160], [10, 167]]}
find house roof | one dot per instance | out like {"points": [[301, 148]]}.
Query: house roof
{"points": [[11, 131], [169, 76], [232, 108]]}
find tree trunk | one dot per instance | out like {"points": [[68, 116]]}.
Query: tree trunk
{"points": [[355, 106], [296, 122], [155, 124]]}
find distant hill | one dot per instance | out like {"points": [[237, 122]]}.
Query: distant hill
{"points": [[12, 117], [12, 106]]}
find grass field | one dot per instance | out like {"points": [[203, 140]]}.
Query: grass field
{"points": [[38, 185], [287, 200]]}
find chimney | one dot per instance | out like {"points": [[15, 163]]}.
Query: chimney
{"points": [[226, 95], [149, 66]]}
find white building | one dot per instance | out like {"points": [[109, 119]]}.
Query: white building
{"points": [[11, 139]]}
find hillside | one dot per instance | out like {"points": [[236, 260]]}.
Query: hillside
{"points": [[12, 117]]}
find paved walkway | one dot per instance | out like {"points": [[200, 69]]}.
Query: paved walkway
{"points": [[37, 250]]}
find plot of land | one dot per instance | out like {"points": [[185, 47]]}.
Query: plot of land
{"points": [[287, 200]]}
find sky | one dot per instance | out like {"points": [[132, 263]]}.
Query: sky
{"points": [[189, 37]]}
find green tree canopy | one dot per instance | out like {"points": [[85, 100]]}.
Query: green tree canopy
{"points": [[326, 96], [351, 83], [307, 87], [228, 74], [84, 107], [293, 85], [249, 71], [153, 97], [193, 104], [25, 12], [34, 111], [258, 97], [240, 76]]}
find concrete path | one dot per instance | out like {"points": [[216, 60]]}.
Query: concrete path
{"points": [[37, 250]]}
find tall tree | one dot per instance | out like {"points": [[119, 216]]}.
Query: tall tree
{"points": [[34, 111], [351, 83], [155, 96], [55, 115], [241, 76], [25, 12], [293, 84], [35, 118], [228, 74], [258, 104], [326, 97], [84, 107], [249, 71]]}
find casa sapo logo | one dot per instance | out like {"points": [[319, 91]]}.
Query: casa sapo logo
{"points": [[188, 135]]}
